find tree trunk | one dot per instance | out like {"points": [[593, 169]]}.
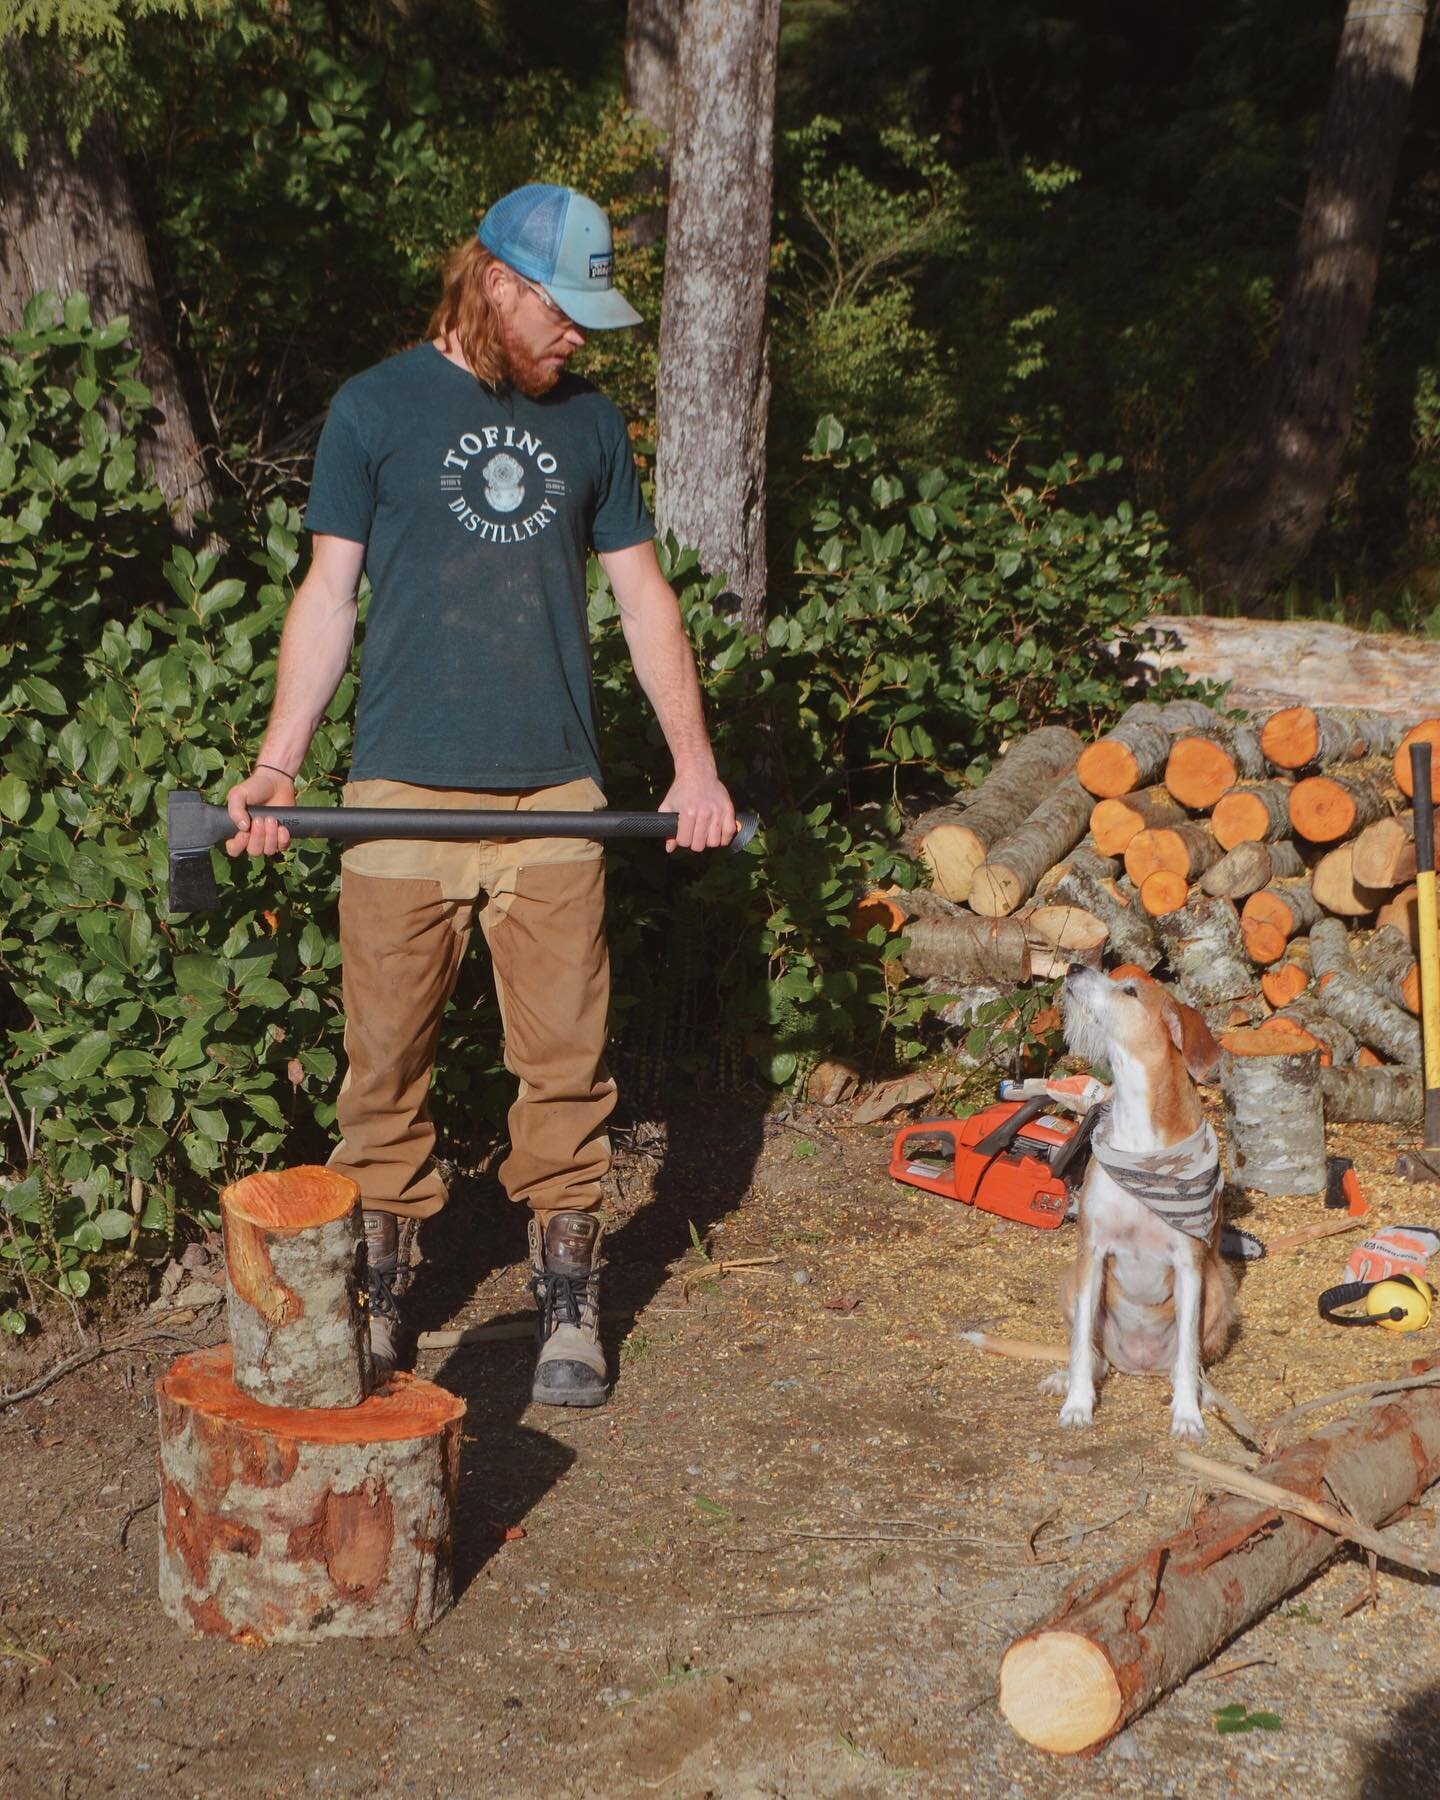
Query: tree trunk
{"points": [[69, 223], [1109, 1653], [284, 1525], [1262, 502], [713, 394], [954, 841], [652, 39]]}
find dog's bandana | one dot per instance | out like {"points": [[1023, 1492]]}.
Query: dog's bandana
{"points": [[1180, 1185]]}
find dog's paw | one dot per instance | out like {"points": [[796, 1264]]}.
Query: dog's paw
{"points": [[1187, 1427], [1079, 1410], [1057, 1382]]}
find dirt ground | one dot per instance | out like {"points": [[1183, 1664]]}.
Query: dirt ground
{"points": [[784, 1560]]}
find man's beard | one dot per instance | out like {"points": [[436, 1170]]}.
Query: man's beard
{"points": [[528, 374]]}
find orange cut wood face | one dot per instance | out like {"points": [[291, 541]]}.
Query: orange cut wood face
{"points": [[291, 1199], [405, 1407], [252, 1274]]}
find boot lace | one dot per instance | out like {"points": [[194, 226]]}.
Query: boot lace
{"points": [[380, 1295], [562, 1299]]}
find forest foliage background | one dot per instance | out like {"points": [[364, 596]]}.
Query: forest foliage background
{"points": [[1025, 269]]}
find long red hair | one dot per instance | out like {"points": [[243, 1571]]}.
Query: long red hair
{"points": [[465, 314]]}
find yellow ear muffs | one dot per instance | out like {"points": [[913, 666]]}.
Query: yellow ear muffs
{"points": [[1399, 1303]]}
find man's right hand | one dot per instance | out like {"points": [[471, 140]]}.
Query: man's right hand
{"points": [[259, 837]]}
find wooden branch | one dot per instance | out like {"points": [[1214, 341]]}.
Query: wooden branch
{"points": [[1203, 766], [1114, 822], [965, 948], [1249, 867], [1373, 1096], [1302, 737], [1326, 808], [1109, 1653], [1187, 850]]}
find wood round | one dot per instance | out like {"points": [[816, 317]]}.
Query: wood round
{"points": [[1059, 1692], [288, 1524]]}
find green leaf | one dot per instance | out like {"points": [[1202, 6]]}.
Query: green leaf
{"points": [[75, 1282], [113, 1223], [212, 1123], [14, 797]]}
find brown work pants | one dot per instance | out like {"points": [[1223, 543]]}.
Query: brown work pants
{"points": [[406, 914]]}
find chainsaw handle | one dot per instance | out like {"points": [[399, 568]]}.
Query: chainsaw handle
{"points": [[1005, 1133], [1079, 1140]]}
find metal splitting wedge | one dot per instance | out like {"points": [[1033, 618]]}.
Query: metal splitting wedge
{"points": [[195, 827]]}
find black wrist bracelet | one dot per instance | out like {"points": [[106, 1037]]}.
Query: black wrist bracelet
{"points": [[275, 770]]}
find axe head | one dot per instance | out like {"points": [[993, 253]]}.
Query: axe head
{"points": [[191, 831]]}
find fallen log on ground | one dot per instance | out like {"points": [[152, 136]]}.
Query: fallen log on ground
{"points": [[1111, 1652], [1274, 663], [1348, 997], [964, 948], [957, 839]]}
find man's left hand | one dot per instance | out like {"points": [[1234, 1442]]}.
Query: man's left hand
{"points": [[707, 813]]}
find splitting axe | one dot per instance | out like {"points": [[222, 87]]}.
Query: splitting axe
{"points": [[195, 827], [1423, 1163]]}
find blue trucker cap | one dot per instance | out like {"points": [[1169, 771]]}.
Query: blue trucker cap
{"points": [[561, 241]]}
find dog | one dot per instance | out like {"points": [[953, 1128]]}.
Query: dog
{"points": [[1148, 1292]]}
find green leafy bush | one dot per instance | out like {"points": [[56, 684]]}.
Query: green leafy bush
{"points": [[146, 1059]]}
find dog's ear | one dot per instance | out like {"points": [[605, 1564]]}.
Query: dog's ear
{"points": [[1192, 1038]]}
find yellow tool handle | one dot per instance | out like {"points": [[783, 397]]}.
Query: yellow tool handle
{"points": [[1429, 937]]}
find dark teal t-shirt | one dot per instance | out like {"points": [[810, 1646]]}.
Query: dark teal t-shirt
{"points": [[477, 511]]}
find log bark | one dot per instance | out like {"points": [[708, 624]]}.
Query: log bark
{"points": [[1114, 822], [1187, 850], [1274, 663], [1206, 952], [1014, 865], [1326, 808], [1346, 996], [69, 223], [1402, 911], [1249, 867], [1289, 979], [1259, 505], [1111, 1652], [954, 848], [1388, 963], [1426, 732], [1258, 812], [1274, 1115], [283, 1525], [713, 391], [295, 1270], [894, 907], [1132, 754], [1373, 1096], [968, 949], [1204, 765], [1336, 888]]}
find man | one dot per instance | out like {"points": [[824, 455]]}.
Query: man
{"points": [[469, 478]]}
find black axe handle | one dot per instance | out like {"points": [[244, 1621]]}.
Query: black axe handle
{"points": [[195, 826]]}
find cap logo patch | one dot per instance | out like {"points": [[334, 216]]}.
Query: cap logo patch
{"points": [[600, 266]]}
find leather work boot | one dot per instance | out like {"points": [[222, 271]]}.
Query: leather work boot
{"points": [[565, 1280], [382, 1254]]}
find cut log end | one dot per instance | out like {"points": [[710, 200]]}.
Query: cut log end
{"points": [[1059, 1692], [404, 1407], [1163, 891], [1239, 818], [290, 1199], [1281, 986], [1198, 772], [1426, 732], [1108, 769], [1290, 737]]}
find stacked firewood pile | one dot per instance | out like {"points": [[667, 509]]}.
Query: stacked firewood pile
{"points": [[1262, 865]]}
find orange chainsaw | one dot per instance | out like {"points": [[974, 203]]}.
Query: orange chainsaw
{"points": [[1016, 1158]]}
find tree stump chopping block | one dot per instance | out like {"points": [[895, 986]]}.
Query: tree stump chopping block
{"points": [[1274, 1115], [295, 1268], [284, 1525]]}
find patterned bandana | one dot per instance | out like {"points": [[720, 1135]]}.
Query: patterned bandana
{"points": [[1180, 1185]]}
